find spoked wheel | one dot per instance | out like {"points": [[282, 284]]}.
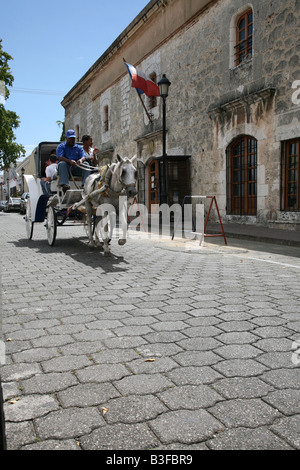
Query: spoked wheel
{"points": [[51, 225], [29, 223]]}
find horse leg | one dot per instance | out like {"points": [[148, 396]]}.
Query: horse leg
{"points": [[96, 235], [102, 232], [123, 221], [106, 248], [106, 235], [89, 219]]}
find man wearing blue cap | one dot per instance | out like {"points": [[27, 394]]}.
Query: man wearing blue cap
{"points": [[69, 156]]}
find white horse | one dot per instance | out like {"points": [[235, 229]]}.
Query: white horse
{"points": [[109, 194]]}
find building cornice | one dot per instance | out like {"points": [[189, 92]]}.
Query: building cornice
{"points": [[150, 9], [153, 8], [245, 99]]}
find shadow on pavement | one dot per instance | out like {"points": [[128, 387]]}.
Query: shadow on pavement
{"points": [[77, 249]]}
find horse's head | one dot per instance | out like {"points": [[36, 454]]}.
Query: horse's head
{"points": [[127, 175]]}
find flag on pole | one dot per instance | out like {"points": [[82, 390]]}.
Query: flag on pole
{"points": [[141, 82]]}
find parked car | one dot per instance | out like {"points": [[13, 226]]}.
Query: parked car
{"points": [[24, 199], [13, 204], [2, 204]]}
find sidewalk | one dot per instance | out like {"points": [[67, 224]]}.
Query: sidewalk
{"points": [[251, 232], [257, 233]]}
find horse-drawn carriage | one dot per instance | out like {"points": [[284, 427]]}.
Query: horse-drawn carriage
{"points": [[94, 206]]}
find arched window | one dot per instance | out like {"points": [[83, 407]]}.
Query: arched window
{"points": [[77, 132], [106, 119], [242, 176], [244, 37], [291, 174], [153, 99]]}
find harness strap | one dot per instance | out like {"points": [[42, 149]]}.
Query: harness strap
{"points": [[88, 168]]}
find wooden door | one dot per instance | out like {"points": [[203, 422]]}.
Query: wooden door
{"points": [[153, 184], [243, 176], [292, 175]]}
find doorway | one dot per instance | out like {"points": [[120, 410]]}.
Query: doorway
{"points": [[153, 184], [242, 176]]}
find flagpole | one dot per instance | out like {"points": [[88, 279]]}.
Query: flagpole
{"points": [[143, 104]]}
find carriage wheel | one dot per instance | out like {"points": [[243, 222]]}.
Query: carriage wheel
{"points": [[28, 220], [51, 225]]}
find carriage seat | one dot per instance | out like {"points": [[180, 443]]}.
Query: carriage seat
{"points": [[54, 186], [75, 183]]}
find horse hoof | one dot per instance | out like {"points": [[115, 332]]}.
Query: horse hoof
{"points": [[107, 253], [122, 241]]}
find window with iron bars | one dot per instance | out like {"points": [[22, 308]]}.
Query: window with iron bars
{"points": [[242, 176], [290, 175]]}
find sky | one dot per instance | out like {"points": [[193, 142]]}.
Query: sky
{"points": [[53, 44]]}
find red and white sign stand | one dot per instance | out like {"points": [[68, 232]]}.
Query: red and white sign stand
{"points": [[203, 235], [213, 200]]}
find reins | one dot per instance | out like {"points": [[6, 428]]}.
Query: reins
{"points": [[89, 168], [104, 180], [92, 168], [82, 167]]}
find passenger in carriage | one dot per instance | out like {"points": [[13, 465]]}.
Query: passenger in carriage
{"points": [[89, 150], [51, 174], [48, 162], [69, 156]]}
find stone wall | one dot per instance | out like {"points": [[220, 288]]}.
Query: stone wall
{"points": [[211, 101]]}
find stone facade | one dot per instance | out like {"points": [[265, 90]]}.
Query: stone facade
{"points": [[212, 100]]}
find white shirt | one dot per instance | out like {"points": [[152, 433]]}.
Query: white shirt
{"points": [[90, 154], [51, 171]]}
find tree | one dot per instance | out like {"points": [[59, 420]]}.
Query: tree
{"points": [[10, 151]]}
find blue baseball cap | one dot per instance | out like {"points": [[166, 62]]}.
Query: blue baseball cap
{"points": [[70, 134]]}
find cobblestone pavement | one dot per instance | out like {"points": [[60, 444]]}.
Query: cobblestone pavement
{"points": [[186, 347]]}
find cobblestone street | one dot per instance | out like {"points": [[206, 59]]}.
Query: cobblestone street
{"points": [[163, 345]]}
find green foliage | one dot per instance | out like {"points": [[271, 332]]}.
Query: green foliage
{"points": [[5, 73], [10, 151]]}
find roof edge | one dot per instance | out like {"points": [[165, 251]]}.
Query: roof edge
{"points": [[136, 23]]}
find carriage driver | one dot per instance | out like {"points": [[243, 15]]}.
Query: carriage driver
{"points": [[69, 155]]}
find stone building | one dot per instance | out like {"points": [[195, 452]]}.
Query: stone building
{"points": [[233, 109]]}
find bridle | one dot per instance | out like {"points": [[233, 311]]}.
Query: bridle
{"points": [[121, 181]]}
